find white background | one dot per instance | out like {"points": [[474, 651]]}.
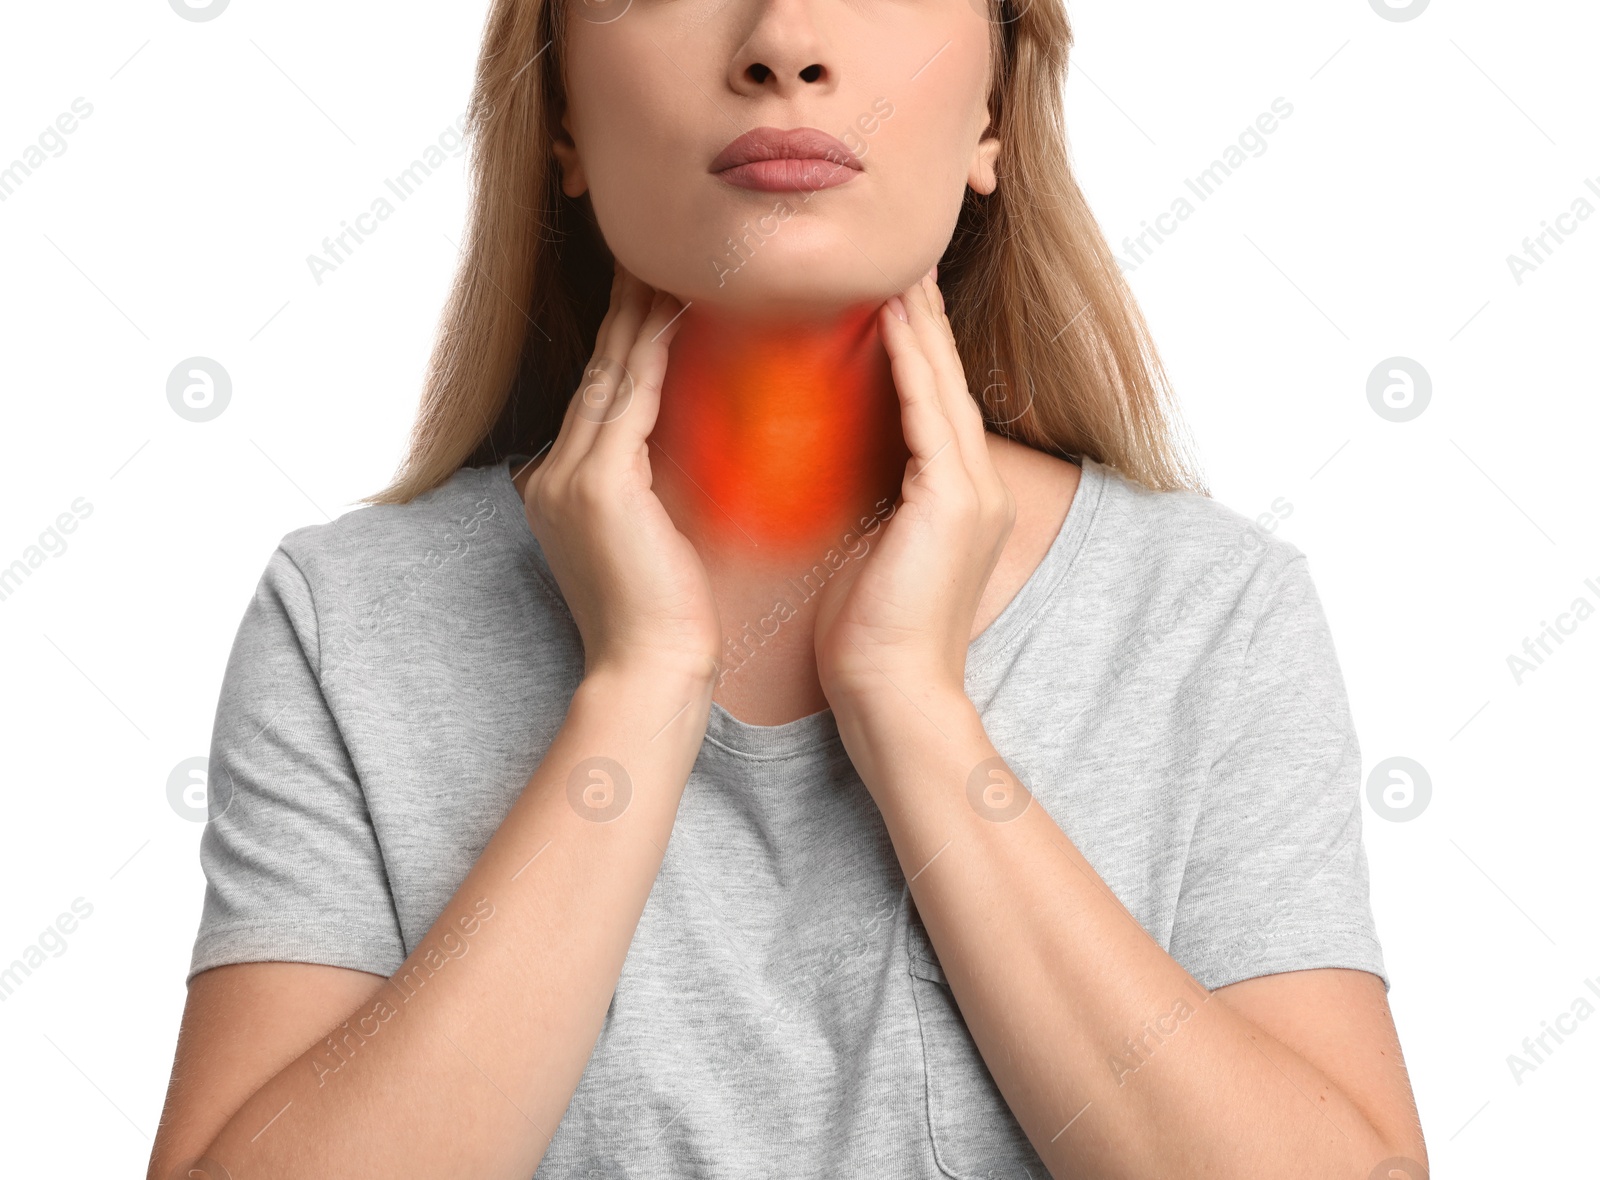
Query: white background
{"points": [[1419, 155]]}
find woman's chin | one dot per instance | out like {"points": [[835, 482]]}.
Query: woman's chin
{"points": [[785, 290]]}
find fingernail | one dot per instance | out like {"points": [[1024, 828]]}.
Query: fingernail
{"points": [[935, 272], [899, 308]]}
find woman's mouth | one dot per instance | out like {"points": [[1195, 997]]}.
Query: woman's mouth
{"points": [[775, 160]]}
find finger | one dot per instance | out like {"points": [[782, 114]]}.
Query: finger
{"points": [[968, 410], [960, 406], [927, 429], [625, 432], [603, 388], [939, 345], [564, 434], [567, 445]]}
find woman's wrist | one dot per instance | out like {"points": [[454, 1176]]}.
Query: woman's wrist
{"points": [[654, 682], [886, 731], [639, 725], [888, 696]]}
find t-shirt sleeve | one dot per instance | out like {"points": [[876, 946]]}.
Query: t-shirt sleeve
{"points": [[293, 867], [1276, 876]]}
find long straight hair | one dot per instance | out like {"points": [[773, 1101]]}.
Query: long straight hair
{"points": [[1052, 341]]}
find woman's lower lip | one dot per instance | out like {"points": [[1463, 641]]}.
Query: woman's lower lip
{"points": [[782, 176]]}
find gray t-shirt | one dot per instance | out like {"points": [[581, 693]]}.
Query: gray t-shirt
{"points": [[1165, 684]]}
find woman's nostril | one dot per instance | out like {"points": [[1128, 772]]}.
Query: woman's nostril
{"points": [[759, 73]]}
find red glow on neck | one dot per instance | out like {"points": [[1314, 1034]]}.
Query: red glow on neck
{"points": [[774, 436]]}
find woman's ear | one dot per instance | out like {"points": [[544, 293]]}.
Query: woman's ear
{"points": [[573, 182], [981, 176]]}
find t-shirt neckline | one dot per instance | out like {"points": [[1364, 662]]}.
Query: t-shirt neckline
{"points": [[761, 743]]}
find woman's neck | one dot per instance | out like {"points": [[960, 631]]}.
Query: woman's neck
{"points": [[776, 437]]}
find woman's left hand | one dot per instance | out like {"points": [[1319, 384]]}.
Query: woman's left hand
{"points": [[899, 620]]}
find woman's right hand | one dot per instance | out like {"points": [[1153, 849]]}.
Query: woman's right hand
{"points": [[635, 585]]}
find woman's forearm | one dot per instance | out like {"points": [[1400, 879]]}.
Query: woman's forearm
{"points": [[463, 1063], [1058, 983]]}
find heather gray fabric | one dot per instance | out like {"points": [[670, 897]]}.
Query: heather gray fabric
{"points": [[1165, 684]]}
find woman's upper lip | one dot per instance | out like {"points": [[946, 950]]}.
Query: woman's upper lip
{"points": [[772, 143]]}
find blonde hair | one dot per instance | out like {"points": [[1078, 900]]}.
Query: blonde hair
{"points": [[1031, 286]]}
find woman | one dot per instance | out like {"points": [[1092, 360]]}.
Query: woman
{"points": [[776, 757]]}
